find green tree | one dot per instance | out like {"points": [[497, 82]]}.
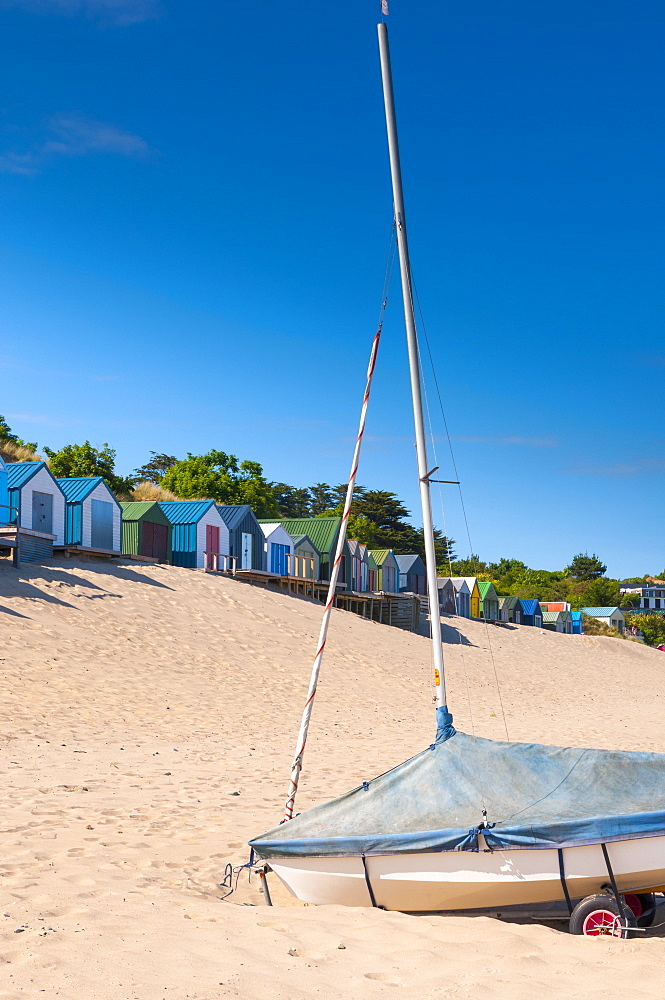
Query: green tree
{"points": [[652, 627], [220, 477], [472, 566], [320, 498], [598, 593], [155, 469], [586, 567], [6, 434], [83, 460], [292, 501], [630, 601]]}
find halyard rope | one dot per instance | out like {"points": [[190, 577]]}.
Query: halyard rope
{"points": [[296, 767]]}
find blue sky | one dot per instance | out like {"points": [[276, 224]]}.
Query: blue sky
{"points": [[196, 216]]}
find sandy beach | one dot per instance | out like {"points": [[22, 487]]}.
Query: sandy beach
{"points": [[148, 717]]}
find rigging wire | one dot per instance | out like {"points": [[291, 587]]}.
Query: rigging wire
{"points": [[459, 486]]}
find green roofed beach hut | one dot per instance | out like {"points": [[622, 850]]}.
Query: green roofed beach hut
{"points": [[146, 530], [387, 570], [510, 610], [489, 601]]}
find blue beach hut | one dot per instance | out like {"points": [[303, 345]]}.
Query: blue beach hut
{"points": [[245, 535], [38, 507], [93, 516], [197, 528], [576, 618], [532, 613]]}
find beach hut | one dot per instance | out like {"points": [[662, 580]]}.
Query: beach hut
{"points": [[576, 622], [447, 596], [364, 555], [489, 601], [305, 560], [5, 515], [474, 595], [246, 539], [387, 570], [553, 621], [196, 528], [412, 574], [555, 605], [372, 572], [356, 559], [146, 530], [462, 596], [322, 531], [93, 516], [612, 617], [531, 611], [40, 505], [510, 610], [277, 546]]}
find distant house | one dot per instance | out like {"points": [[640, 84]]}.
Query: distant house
{"points": [[489, 601], [246, 539], [447, 596], [278, 546], [412, 575], [146, 530], [387, 570], [305, 559], [41, 508], [652, 595], [531, 611], [553, 621], [510, 610], [613, 617], [576, 622], [196, 528], [92, 515]]}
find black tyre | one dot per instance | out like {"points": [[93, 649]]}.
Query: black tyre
{"points": [[643, 907], [600, 916]]}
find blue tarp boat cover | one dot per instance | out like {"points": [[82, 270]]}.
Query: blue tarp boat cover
{"points": [[535, 797]]}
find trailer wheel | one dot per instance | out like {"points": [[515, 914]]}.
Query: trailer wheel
{"points": [[643, 906], [600, 916]]}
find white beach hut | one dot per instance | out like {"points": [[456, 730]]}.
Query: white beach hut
{"points": [[278, 546]]}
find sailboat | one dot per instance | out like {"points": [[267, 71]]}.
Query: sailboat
{"points": [[470, 823]]}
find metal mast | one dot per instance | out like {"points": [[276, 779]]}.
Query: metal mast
{"points": [[424, 472]]}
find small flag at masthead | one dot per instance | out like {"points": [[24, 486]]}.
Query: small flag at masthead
{"points": [[384, 8]]}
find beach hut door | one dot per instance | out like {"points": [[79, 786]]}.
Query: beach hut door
{"points": [[246, 556], [212, 538], [101, 515], [42, 512]]}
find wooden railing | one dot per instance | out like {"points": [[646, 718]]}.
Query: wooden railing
{"points": [[217, 562], [300, 566]]}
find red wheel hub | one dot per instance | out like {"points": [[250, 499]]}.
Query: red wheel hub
{"points": [[635, 904], [602, 922]]}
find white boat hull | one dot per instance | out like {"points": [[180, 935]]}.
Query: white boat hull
{"points": [[463, 880]]}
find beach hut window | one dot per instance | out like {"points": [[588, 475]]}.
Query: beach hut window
{"points": [[42, 512], [246, 555], [101, 513]]}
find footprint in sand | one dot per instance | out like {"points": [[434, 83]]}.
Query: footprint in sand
{"points": [[383, 977]]}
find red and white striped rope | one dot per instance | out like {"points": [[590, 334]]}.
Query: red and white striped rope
{"points": [[296, 767]]}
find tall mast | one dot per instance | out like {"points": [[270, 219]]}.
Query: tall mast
{"points": [[444, 720]]}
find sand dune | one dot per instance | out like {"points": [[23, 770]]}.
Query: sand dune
{"points": [[138, 700]]}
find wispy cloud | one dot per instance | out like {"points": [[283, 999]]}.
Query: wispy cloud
{"points": [[620, 470], [508, 439], [73, 134], [115, 12]]}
